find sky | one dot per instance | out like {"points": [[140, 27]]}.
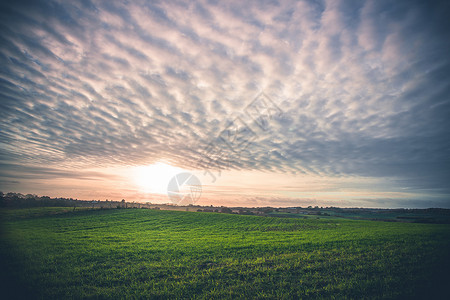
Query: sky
{"points": [[266, 103]]}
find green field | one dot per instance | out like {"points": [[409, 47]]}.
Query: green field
{"points": [[55, 253]]}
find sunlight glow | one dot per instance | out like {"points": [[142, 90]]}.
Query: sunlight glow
{"points": [[155, 178]]}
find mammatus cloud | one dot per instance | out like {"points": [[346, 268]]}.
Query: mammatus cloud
{"points": [[363, 87]]}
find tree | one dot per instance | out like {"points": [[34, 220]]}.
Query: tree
{"points": [[226, 210]]}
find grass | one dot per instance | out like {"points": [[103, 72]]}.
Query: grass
{"points": [[58, 253]]}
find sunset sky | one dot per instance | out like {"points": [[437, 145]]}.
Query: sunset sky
{"points": [[280, 103]]}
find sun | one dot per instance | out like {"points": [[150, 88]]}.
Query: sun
{"points": [[155, 178]]}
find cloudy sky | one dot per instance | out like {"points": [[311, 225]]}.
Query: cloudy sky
{"points": [[282, 103]]}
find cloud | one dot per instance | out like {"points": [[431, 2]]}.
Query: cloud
{"points": [[363, 85]]}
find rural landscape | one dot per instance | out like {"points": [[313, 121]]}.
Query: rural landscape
{"points": [[130, 253], [205, 149]]}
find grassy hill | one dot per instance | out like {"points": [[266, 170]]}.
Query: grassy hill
{"points": [[135, 253]]}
